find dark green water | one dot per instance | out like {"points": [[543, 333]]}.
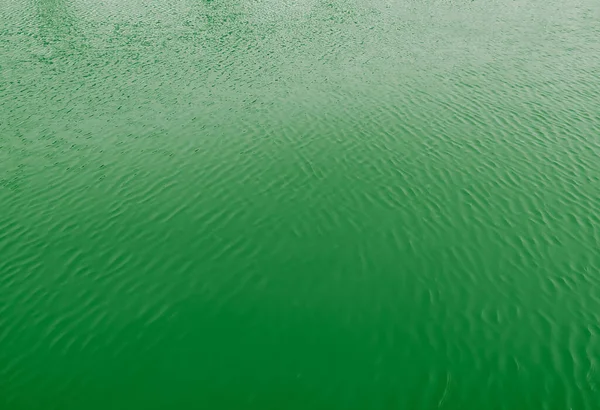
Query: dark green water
{"points": [[308, 204]]}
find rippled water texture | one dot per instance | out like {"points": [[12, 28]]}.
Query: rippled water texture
{"points": [[299, 204]]}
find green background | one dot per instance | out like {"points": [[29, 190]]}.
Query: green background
{"points": [[299, 204]]}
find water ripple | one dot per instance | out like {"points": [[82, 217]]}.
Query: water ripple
{"points": [[280, 204]]}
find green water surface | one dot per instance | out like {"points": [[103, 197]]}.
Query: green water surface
{"points": [[299, 204]]}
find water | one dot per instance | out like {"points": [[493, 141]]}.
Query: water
{"points": [[309, 204]]}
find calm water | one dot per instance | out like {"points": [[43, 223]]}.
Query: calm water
{"points": [[299, 204]]}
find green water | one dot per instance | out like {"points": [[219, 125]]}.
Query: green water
{"points": [[299, 204]]}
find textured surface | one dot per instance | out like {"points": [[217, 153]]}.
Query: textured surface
{"points": [[277, 204]]}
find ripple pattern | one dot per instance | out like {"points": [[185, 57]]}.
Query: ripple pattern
{"points": [[299, 204]]}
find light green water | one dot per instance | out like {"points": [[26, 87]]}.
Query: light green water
{"points": [[308, 204]]}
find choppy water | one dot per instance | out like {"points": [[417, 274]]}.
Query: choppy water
{"points": [[308, 204]]}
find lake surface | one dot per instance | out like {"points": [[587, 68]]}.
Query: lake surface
{"points": [[308, 204]]}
